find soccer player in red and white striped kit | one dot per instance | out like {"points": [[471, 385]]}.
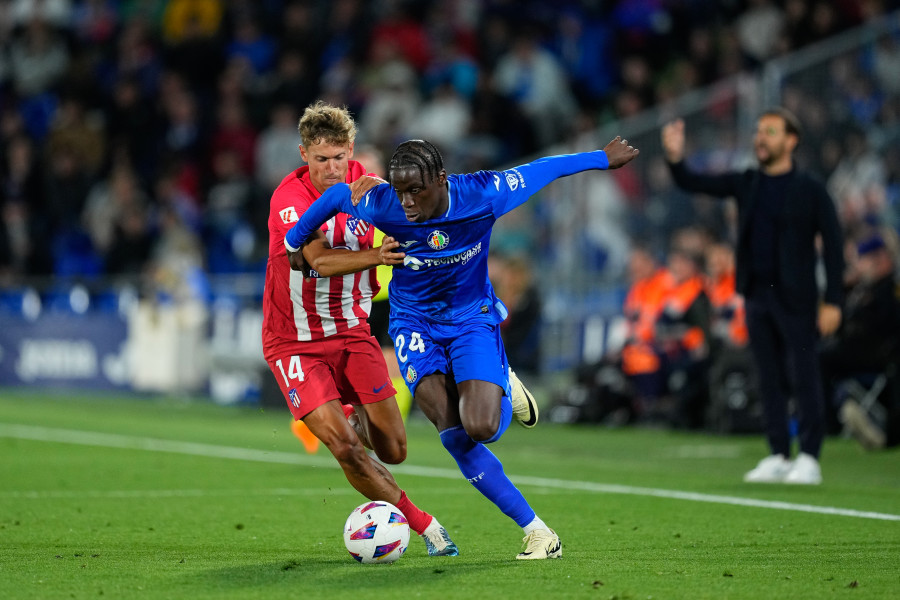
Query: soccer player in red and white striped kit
{"points": [[316, 337]]}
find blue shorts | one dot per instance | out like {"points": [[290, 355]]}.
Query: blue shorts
{"points": [[468, 351]]}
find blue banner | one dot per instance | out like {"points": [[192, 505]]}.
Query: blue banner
{"points": [[64, 350]]}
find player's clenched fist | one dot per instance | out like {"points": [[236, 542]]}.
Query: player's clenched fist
{"points": [[619, 153]]}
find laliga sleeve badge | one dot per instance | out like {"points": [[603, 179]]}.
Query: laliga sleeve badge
{"points": [[289, 215]]}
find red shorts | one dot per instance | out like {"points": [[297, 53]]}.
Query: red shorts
{"points": [[348, 367]]}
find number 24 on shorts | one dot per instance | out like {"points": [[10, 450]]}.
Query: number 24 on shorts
{"points": [[416, 343]]}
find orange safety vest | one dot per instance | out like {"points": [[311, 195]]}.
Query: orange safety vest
{"points": [[728, 305], [678, 301], [643, 304]]}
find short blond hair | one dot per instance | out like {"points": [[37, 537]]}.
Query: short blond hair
{"points": [[323, 123]]}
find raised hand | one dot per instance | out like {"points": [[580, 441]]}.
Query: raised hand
{"points": [[619, 153], [672, 137]]}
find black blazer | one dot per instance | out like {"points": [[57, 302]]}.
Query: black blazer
{"points": [[809, 211]]}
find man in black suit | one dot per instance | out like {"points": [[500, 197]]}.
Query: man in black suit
{"points": [[781, 211]]}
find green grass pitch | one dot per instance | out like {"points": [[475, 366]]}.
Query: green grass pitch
{"points": [[121, 497]]}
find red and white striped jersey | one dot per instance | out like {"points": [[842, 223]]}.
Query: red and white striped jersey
{"points": [[300, 309]]}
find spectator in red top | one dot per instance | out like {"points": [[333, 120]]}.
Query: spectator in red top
{"points": [[234, 132], [404, 30]]}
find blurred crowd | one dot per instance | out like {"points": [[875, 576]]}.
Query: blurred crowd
{"points": [[684, 359], [144, 137]]}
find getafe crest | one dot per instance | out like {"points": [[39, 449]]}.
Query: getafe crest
{"points": [[411, 374], [438, 240]]}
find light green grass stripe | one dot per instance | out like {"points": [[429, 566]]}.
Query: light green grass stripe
{"points": [[111, 440], [129, 442]]}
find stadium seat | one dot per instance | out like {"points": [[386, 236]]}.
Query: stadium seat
{"points": [[866, 389]]}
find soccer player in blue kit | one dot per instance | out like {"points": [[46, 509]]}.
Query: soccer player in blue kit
{"points": [[445, 316]]}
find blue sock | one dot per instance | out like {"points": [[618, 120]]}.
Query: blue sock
{"points": [[483, 470], [505, 418]]}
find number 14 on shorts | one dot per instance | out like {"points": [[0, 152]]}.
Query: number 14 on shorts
{"points": [[295, 371]]}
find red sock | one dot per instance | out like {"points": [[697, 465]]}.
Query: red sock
{"points": [[418, 519]]}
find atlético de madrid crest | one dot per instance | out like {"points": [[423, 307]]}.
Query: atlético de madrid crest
{"points": [[438, 240]]}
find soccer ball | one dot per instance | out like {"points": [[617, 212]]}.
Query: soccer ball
{"points": [[376, 532]]}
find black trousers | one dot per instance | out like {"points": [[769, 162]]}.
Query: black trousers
{"points": [[784, 348]]}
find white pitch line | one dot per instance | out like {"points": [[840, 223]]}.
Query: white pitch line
{"points": [[132, 494], [112, 440]]}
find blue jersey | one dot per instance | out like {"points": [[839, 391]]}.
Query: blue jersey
{"points": [[444, 278]]}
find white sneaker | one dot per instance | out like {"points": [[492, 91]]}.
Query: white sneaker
{"points": [[804, 471], [771, 469], [524, 406], [541, 543]]}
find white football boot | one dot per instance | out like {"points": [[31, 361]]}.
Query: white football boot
{"points": [[437, 540], [540, 544], [524, 406]]}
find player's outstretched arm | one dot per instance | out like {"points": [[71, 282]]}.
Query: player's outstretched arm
{"points": [[329, 204], [526, 180], [619, 153]]}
